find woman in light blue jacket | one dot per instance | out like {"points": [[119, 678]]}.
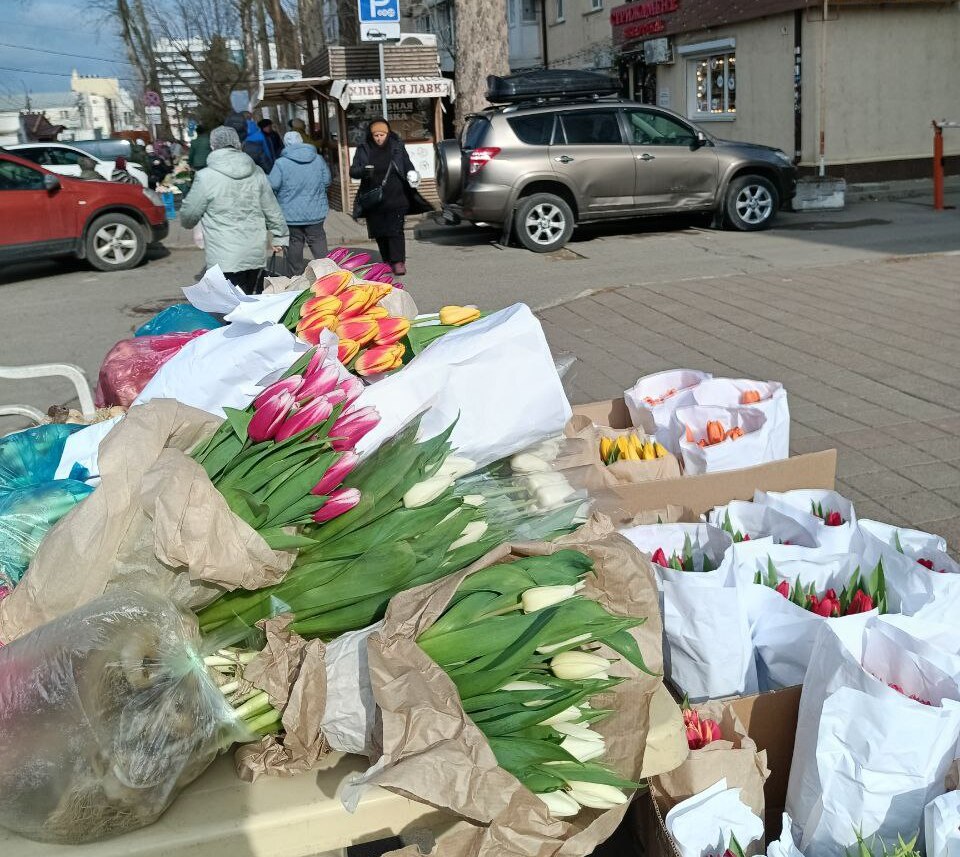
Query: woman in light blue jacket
{"points": [[300, 179]]}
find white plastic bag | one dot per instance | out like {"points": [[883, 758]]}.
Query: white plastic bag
{"points": [[707, 648], [800, 504], [763, 523], [784, 846], [913, 542], [495, 377], [729, 393], [941, 823], [754, 447], [867, 758], [704, 823], [654, 398]]}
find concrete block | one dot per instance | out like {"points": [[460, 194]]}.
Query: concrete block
{"points": [[816, 194]]}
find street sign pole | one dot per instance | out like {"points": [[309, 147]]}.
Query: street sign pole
{"points": [[383, 84]]}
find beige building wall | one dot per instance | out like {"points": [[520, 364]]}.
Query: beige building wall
{"points": [[582, 36], [764, 81]]}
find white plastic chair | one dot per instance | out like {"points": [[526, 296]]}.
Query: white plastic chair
{"points": [[74, 374]]}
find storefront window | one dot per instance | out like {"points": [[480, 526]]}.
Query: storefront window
{"points": [[411, 118], [715, 85]]}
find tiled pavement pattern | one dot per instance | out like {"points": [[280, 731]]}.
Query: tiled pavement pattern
{"points": [[869, 354]]}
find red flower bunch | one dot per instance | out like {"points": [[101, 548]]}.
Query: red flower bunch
{"points": [[831, 519], [700, 732], [683, 560], [675, 561], [858, 596], [912, 696], [928, 564]]}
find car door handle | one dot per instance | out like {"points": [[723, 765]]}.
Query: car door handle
{"points": [[564, 159], [646, 156]]}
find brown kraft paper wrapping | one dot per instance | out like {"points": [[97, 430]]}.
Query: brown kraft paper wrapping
{"points": [[621, 472], [155, 523], [433, 753]]}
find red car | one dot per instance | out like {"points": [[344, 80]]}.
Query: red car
{"points": [[43, 214]]}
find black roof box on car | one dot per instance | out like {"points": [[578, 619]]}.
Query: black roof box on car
{"points": [[549, 83]]}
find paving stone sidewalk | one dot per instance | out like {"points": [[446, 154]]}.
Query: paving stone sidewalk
{"points": [[868, 352]]}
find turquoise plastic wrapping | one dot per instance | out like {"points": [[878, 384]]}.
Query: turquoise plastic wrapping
{"points": [[179, 318], [31, 457]]}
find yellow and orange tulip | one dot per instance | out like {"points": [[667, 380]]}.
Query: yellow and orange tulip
{"points": [[458, 315], [390, 330], [332, 284], [359, 330], [346, 350], [380, 358]]}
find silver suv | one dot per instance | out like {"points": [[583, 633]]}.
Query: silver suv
{"points": [[540, 168]]}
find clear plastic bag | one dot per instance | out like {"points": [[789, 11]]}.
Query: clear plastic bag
{"points": [[131, 363], [31, 457], [179, 318], [105, 715], [26, 514]]}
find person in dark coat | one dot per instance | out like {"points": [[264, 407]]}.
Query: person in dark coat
{"points": [[272, 136], [199, 149], [382, 159]]}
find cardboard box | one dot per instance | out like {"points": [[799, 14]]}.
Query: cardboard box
{"points": [[699, 494], [771, 721]]}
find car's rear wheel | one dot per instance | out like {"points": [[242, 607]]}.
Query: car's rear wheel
{"points": [[115, 242], [751, 203], [543, 222]]}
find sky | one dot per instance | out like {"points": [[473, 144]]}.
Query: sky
{"points": [[34, 35]]}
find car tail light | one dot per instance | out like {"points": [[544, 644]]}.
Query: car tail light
{"points": [[479, 158]]}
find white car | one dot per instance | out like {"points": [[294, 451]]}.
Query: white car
{"points": [[65, 159]]}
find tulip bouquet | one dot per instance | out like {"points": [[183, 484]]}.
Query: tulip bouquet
{"points": [[700, 730], [737, 536], [858, 596], [370, 339], [831, 517], [684, 559], [630, 447], [716, 432], [519, 641], [877, 848], [361, 265], [280, 462], [430, 327]]}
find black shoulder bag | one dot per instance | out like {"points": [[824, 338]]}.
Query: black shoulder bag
{"points": [[368, 200]]}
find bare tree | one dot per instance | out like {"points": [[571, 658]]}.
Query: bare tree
{"points": [[483, 48], [138, 41]]}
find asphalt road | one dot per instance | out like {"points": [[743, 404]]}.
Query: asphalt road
{"points": [[67, 312]]}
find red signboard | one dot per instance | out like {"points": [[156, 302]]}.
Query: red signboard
{"points": [[641, 19]]}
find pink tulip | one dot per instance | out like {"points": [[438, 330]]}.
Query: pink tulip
{"points": [[351, 427], [353, 387], [354, 261], [376, 270], [268, 418], [316, 362], [337, 472], [336, 396], [319, 383], [340, 501], [338, 254], [313, 414], [284, 385]]}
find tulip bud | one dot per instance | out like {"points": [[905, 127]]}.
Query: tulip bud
{"points": [[320, 382], [578, 730], [268, 418], [548, 479], [310, 329], [346, 350], [359, 330], [332, 284], [317, 359], [356, 260], [579, 666], [347, 431], [390, 330], [580, 638], [596, 795], [380, 358], [472, 532], [353, 387], [475, 500], [559, 803], [311, 415], [551, 498], [320, 305], [426, 491], [456, 466], [584, 750], [336, 473], [458, 315], [339, 502], [527, 462], [284, 385], [538, 597], [525, 685], [565, 716]]}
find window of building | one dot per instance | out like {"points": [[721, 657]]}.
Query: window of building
{"points": [[596, 5], [560, 17], [64, 114], [512, 12], [592, 128], [529, 11], [712, 78]]}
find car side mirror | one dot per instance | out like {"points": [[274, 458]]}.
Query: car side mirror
{"points": [[700, 140], [50, 182]]}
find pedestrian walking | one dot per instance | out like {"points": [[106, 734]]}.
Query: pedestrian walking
{"points": [[272, 136], [199, 149], [232, 199], [387, 191], [300, 178], [120, 173]]}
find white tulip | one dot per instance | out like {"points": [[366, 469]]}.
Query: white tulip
{"points": [[579, 666], [583, 750], [580, 638], [560, 804], [565, 716], [547, 449], [456, 466], [525, 685], [552, 498], [475, 500], [472, 532], [539, 597], [426, 492], [596, 795], [549, 479], [527, 462], [578, 730]]}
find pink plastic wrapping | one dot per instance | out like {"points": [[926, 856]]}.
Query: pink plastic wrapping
{"points": [[131, 363]]}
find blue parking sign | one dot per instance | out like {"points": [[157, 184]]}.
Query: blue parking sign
{"points": [[379, 11]]}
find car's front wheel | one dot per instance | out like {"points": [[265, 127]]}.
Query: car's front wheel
{"points": [[115, 242], [751, 203], [543, 222]]}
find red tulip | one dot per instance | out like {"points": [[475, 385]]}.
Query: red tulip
{"points": [[347, 431], [319, 383], [313, 414], [391, 330], [828, 606], [926, 563], [268, 418], [700, 732], [783, 587], [337, 472], [659, 557], [860, 603], [340, 501], [284, 385], [833, 519]]}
